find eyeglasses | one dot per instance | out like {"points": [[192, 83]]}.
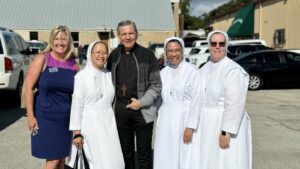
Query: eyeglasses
{"points": [[174, 51], [101, 53], [214, 44]]}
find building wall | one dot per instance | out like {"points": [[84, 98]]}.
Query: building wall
{"points": [[293, 24], [273, 15], [145, 38], [224, 22], [269, 16]]}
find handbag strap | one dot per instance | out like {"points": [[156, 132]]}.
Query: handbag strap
{"points": [[85, 161], [76, 160]]}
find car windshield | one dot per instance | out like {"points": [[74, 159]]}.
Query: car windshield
{"points": [[38, 45], [194, 51]]}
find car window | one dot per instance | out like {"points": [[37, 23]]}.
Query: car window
{"points": [[19, 43], [194, 51], [1, 48], [11, 47], [246, 49], [232, 49], [207, 51], [292, 58], [249, 59], [271, 58], [259, 58]]}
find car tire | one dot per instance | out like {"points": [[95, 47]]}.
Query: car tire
{"points": [[255, 82]]}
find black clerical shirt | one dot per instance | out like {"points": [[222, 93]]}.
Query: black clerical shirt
{"points": [[126, 80]]}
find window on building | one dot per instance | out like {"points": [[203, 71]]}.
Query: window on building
{"points": [[75, 36], [33, 36], [173, 7], [279, 38], [256, 36]]}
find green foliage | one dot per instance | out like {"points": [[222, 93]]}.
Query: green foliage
{"points": [[192, 22]]}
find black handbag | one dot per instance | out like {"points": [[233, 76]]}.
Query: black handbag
{"points": [[85, 161]]}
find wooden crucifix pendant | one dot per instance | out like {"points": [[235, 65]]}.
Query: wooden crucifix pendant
{"points": [[124, 89]]}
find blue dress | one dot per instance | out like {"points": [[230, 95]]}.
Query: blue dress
{"points": [[52, 109]]}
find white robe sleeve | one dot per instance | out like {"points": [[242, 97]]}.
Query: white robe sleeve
{"points": [[196, 99], [235, 91], [77, 104]]}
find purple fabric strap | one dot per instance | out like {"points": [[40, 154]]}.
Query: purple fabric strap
{"points": [[68, 64]]}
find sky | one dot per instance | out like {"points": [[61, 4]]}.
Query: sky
{"points": [[199, 7]]}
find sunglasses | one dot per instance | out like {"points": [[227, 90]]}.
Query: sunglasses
{"points": [[214, 44]]}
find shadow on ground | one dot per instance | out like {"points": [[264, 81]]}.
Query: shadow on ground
{"points": [[10, 111]]}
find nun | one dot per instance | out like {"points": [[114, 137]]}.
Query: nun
{"points": [[92, 118], [224, 129], [176, 123]]}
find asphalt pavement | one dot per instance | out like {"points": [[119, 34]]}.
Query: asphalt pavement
{"points": [[275, 116]]}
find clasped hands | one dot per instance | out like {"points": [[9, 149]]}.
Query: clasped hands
{"points": [[134, 105]]}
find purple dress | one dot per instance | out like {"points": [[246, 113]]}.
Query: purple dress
{"points": [[52, 109]]}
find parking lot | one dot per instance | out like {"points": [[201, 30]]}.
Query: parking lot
{"points": [[275, 115]]}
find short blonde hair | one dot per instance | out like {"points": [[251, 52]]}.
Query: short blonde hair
{"points": [[53, 33]]}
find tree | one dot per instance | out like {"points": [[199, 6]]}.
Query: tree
{"points": [[190, 22]]}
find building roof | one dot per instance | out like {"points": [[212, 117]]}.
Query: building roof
{"points": [[152, 15]]}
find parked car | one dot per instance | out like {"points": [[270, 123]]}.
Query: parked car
{"points": [[200, 43], [157, 49], [271, 67], [235, 50], [232, 52], [248, 41], [14, 62], [198, 56], [36, 45], [197, 50]]}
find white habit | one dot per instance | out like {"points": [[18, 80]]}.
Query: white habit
{"points": [[222, 91], [174, 116], [92, 113]]}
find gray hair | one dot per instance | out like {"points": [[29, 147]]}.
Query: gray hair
{"points": [[126, 23]]}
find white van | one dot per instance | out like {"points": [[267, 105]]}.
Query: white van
{"points": [[248, 41]]}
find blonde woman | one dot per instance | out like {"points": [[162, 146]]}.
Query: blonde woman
{"points": [[48, 109]]}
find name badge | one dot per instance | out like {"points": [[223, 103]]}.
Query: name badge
{"points": [[53, 69]]}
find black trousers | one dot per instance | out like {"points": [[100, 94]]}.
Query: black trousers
{"points": [[130, 123]]}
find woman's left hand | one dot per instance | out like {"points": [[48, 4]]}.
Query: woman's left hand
{"points": [[187, 135], [224, 140]]}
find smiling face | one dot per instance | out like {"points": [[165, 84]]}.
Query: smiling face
{"points": [[127, 36], [174, 52], [60, 43], [99, 55], [217, 47]]}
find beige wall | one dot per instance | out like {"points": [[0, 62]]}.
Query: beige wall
{"points": [[223, 23], [85, 37], [270, 16], [273, 15], [145, 38]]}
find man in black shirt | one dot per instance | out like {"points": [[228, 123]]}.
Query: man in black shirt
{"points": [[135, 75]]}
